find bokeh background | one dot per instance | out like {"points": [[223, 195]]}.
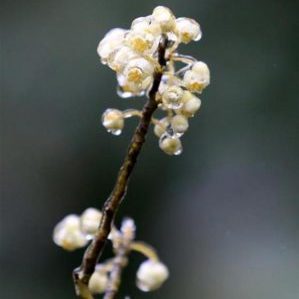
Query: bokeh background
{"points": [[224, 216]]}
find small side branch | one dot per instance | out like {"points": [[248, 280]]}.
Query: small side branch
{"points": [[119, 263], [93, 252]]}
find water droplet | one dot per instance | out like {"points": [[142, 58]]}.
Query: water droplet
{"points": [[89, 237], [178, 152], [142, 286], [115, 132], [198, 36], [174, 105], [127, 94], [178, 134], [123, 94]]}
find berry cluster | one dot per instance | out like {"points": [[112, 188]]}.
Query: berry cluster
{"points": [[76, 231], [133, 55]]}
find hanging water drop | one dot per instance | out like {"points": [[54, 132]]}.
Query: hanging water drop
{"points": [[170, 144], [115, 132]]}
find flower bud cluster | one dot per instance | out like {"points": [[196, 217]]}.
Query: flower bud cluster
{"points": [[171, 128], [133, 55], [75, 231]]}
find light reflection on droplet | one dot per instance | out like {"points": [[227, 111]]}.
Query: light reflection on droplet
{"points": [[115, 132]]}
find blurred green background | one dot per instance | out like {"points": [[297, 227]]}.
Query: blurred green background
{"points": [[224, 216]]}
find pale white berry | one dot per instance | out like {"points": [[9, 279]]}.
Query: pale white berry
{"points": [[191, 104], [67, 233], [90, 220], [146, 24], [197, 78], [172, 97], [170, 145], [141, 24], [140, 41], [179, 124], [112, 40], [144, 35], [138, 69], [113, 121], [128, 88], [161, 126], [188, 30], [202, 69], [98, 282], [151, 275], [138, 74], [164, 17]]}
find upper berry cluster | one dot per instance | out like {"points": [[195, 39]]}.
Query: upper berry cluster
{"points": [[133, 55]]}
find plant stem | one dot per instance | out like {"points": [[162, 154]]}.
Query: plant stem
{"points": [[145, 249], [119, 263], [92, 254]]}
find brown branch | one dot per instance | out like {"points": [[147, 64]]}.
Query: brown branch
{"points": [[93, 252]]}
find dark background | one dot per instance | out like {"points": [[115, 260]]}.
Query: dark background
{"points": [[224, 215]]}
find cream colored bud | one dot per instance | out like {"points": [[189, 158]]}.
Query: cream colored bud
{"points": [[113, 121], [202, 69], [161, 126], [172, 97], [141, 24], [198, 78], [129, 88], [137, 70], [170, 145], [98, 282], [128, 229], [188, 30], [67, 233], [191, 104], [145, 24], [179, 124], [140, 41], [164, 17], [137, 76], [90, 220], [112, 40], [120, 57], [151, 275]]}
